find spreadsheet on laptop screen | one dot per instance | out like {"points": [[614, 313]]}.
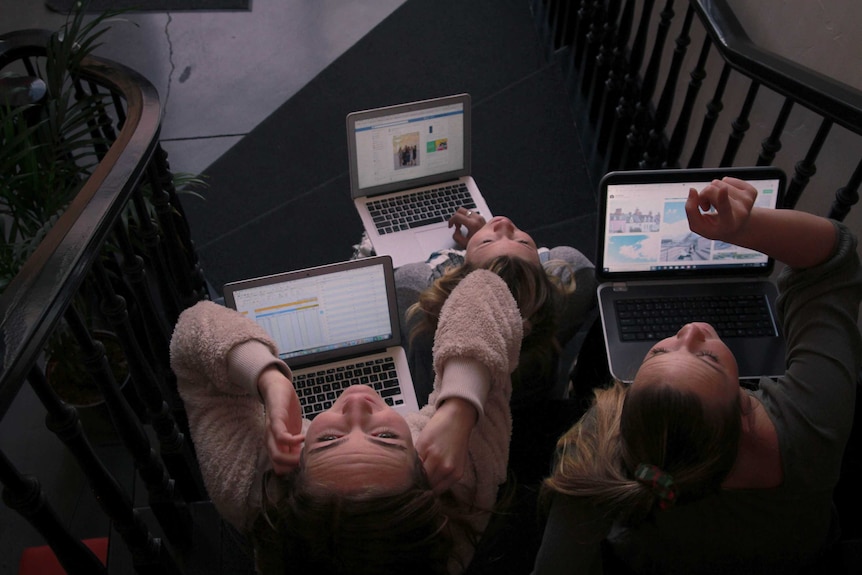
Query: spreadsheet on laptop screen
{"points": [[321, 313]]}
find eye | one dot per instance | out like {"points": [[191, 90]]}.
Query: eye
{"points": [[324, 437], [386, 434], [708, 354], [657, 350]]}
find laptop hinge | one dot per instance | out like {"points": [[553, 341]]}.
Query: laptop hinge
{"points": [[620, 286]]}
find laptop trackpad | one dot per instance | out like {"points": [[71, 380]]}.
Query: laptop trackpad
{"points": [[435, 239]]}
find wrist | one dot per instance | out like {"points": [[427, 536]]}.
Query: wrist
{"points": [[269, 377], [460, 409]]}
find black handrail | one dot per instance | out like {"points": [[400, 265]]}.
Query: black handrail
{"points": [[35, 300], [826, 96]]}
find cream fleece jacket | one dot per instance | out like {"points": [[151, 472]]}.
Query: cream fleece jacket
{"points": [[217, 355]]}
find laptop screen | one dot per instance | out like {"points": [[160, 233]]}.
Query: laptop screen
{"points": [[417, 144], [320, 314], [645, 230]]}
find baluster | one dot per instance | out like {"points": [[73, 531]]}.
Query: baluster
{"points": [[616, 75], [597, 95], [566, 29], [105, 123], [24, 495], [179, 250], [181, 239], [680, 131], [556, 19], [591, 50], [150, 556], [154, 324], [641, 121], [152, 242], [772, 144], [652, 157], [173, 514], [157, 336], [713, 109], [807, 167], [740, 126], [846, 197], [625, 107], [582, 26]]}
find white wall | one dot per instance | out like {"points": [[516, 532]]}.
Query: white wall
{"points": [[824, 36]]}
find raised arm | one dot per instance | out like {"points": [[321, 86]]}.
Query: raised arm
{"points": [[475, 349], [724, 210], [222, 361]]}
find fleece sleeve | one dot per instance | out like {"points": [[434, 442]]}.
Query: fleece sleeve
{"points": [[476, 348], [225, 414]]}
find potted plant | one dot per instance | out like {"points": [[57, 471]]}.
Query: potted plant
{"points": [[50, 143]]}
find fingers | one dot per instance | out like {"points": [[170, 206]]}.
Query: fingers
{"points": [[284, 451], [471, 221]]}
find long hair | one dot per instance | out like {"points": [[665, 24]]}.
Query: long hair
{"points": [[307, 530], [539, 293], [659, 425]]}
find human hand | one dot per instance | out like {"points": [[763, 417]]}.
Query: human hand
{"points": [[721, 210], [284, 436], [443, 444], [472, 221]]}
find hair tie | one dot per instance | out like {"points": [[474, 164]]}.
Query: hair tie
{"points": [[659, 482]]}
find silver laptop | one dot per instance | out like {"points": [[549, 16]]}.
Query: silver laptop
{"points": [[655, 275], [335, 326], [409, 172]]}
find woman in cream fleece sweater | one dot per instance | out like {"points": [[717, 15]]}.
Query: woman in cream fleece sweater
{"points": [[359, 489]]}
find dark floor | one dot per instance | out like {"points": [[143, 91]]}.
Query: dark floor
{"points": [[256, 100]]}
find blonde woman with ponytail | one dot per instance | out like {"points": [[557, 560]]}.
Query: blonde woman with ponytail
{"points": [[685, 471]]}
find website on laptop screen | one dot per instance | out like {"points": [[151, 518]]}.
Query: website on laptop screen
{"points": [[321, 313], [646, 229], [409, 145]]}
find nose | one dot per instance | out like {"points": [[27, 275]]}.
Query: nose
{"points": [[691, 334], [504, 225], [357, 409]]}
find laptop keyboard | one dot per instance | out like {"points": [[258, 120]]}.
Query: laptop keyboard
{"points": [[318, 390], [418, 209], [659, 318]]}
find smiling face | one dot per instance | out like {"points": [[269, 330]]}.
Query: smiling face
{"points": [[500, 237], [359, 444], [696, 359]]}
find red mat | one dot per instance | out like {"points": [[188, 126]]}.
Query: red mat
{"points": [[42, 561]]}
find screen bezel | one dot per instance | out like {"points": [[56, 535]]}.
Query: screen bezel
{"points": [[354, 117], [676, 176]]}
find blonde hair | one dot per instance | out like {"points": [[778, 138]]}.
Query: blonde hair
{"points": [[539, 292], [659, 425]]}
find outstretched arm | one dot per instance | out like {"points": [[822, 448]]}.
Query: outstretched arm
{"points": [[724, 210]]}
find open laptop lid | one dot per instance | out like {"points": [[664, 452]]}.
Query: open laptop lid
{"points": [[642, 226], [441, 126], [323, 313]]}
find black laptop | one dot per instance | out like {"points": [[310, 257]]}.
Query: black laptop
{"points": [[655, 275]]}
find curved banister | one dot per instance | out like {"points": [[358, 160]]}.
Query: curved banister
{"points": [[36, 298], [826, 96]]}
